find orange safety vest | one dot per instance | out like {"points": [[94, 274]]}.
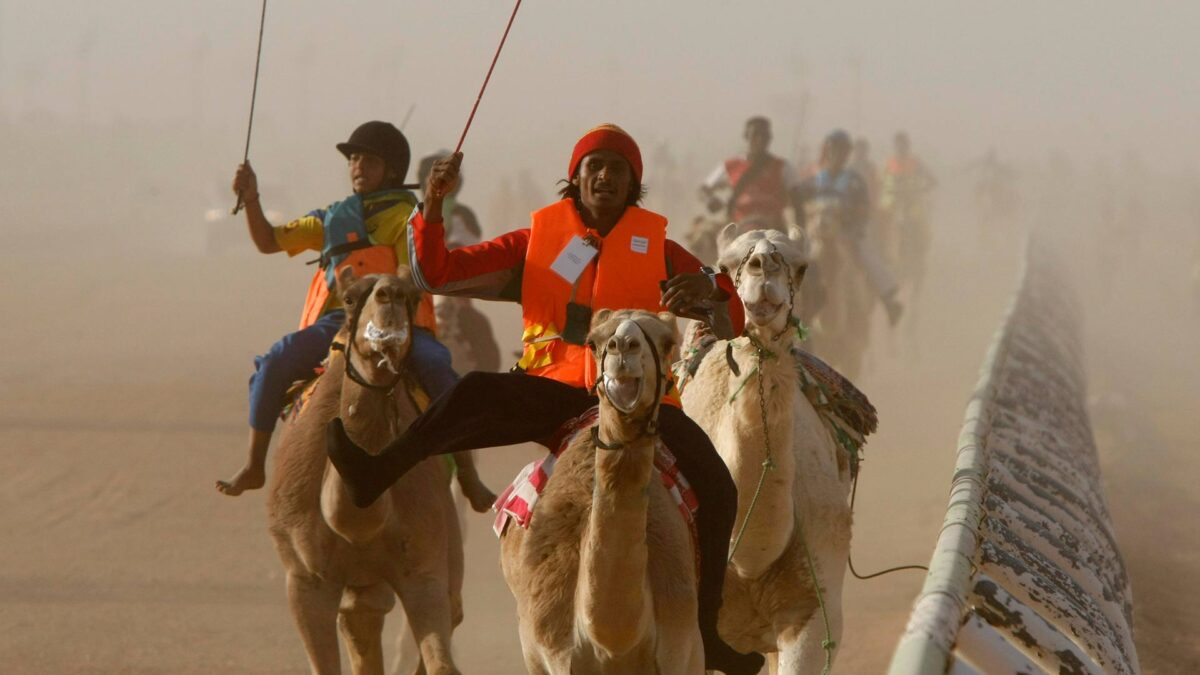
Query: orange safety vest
{"points": [[901, 166], [348, 244], [624, 275]]}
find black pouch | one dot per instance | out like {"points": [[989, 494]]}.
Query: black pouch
{"points": [[579, 322]]}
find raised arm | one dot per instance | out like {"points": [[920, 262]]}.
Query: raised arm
{"points": [[488, 270], [245, 183]]}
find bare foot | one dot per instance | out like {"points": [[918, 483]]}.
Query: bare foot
{"points": [[249, 478], [478, 494]]}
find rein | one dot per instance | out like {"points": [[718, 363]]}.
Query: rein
{"points": [[651, 427]]}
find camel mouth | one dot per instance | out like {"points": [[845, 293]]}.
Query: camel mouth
{"points": [[763, 311], [389, 345], [623, 393]]}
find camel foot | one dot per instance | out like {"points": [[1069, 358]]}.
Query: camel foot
{"points": [[249, 478], [478, 494], [720, 657]]}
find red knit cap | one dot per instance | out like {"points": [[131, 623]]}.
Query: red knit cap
{"points": [[607, 137]]}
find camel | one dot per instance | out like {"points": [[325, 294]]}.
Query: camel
{"points": [[838, 305], [752, 396], [605, 575], [346, 565], [468, 334]]}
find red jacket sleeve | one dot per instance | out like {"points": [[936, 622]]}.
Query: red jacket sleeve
{"points": [[683, 262], [440, 267]]}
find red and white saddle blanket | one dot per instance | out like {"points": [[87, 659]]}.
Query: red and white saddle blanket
{"points": [[516, 503]]}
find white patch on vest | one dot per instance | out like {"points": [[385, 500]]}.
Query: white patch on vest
{"points": [[639, 245], [573, 259]]}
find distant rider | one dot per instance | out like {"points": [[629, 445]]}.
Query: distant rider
{"points": [[760, 185]]}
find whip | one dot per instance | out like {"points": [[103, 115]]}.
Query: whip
{"points": [[486, 79], [253, 95]]}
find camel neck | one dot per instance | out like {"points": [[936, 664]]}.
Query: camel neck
{"points": [[614, 552]]}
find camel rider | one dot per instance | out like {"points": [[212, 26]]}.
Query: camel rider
{"points": [[594, 249], [905, 178], [367, 231], [760, 184], [835, 181]]}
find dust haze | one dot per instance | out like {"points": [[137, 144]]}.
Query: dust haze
{"points": [[136, 303]]}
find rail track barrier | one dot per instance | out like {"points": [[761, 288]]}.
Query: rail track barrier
{"points": [[1026, 576]]}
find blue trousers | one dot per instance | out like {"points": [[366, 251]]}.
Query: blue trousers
{"points": [[295, 356]]}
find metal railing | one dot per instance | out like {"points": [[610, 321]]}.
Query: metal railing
{"points": [[1026, 576]]}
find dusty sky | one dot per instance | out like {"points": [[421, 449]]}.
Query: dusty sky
{"points": [[1089, 78]]}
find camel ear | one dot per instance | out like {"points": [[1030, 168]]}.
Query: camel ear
{"points": [[600, 318], [407, 284], [344, 279], [725, 237]]}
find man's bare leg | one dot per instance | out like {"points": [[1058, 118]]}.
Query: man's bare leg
{"points": [[473, 489], [254, 475]]}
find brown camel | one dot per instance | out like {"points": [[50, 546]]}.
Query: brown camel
{"points": [[345, 565], [837, 301], [801, 506], [605, 577]]}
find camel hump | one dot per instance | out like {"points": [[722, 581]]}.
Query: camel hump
{"points": [[831, 393]]}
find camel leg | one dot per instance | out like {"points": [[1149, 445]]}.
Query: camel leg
{"points": [[800, 648], [426, 602], [773, 663], [314, 606], [361, 621], [408, 656]]}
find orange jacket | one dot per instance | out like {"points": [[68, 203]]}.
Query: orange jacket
{"points": [[624, 275]]}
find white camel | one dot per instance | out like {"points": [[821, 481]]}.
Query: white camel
{"points": [[766, 403]]}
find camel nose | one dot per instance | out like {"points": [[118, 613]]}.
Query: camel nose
{"points": [[761, 263], [623, 344]]}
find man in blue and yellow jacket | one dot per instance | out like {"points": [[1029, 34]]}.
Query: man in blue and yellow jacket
{"points": [[368, 232]]}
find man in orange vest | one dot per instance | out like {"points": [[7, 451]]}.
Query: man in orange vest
{"points": [[630, 263], [760, 184], [365, 231], [904, 177]]}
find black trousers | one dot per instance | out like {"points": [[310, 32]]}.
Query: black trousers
{"points": [[492, 409]]}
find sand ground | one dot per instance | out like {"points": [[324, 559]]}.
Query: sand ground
{"points": [[122, 383]]}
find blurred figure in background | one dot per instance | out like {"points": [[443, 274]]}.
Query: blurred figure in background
{"points": [[760, 185], [995, 195], [904, 206], [839, 191]]}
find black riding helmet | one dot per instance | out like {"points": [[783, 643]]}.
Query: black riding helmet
{"points": [[382, 139]]}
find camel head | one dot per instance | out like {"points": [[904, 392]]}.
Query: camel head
{"points": [[380, 309], [767, 267], [631, 348]]}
